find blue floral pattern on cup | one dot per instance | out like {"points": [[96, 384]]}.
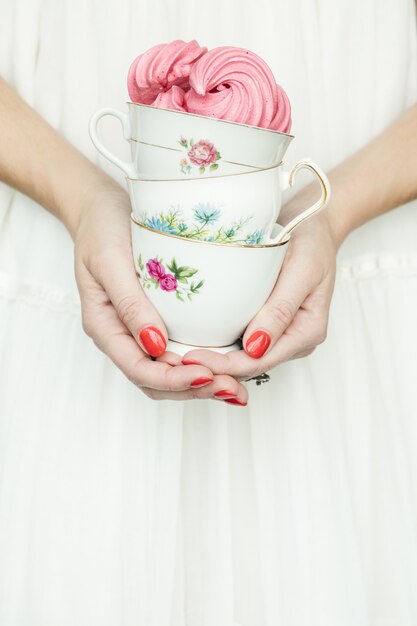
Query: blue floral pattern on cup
{"points": [[204, 225]]}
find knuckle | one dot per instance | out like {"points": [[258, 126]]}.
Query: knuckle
{"points": [[283, 312], [127, 309]]}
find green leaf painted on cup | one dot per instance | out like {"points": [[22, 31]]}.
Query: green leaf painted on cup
{"points": [[173, 267], [185, 272], [195, 288]]}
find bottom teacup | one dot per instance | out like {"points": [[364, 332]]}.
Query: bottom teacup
{"points": [[205, 292]]}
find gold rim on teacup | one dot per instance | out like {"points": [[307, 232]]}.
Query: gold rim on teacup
{"points": [[209, 243], [201, 180], [193, 345], [154, 145], [207, 117]]}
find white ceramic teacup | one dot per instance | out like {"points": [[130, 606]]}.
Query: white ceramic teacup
{"points": [[199, 146], [205, 292], [232, 209]]}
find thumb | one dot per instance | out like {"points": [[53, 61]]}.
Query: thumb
{"points": [[133, 307]]}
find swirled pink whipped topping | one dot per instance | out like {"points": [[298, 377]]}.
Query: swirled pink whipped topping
{"points": [[171, 99], [225, 83], [160, 68], [237, 85]]}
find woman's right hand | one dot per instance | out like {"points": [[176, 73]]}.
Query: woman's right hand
{"points": [[118, 316]]}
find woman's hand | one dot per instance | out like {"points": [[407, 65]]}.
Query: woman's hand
{"points": [[118, 316], [294, 319]]}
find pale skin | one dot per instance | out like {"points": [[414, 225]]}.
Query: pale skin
{"points": [[37, 161]]}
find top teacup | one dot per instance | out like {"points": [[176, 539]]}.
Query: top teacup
{"points": [[170, 144]]}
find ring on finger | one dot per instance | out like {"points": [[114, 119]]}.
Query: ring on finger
{"points": [[260, 379]]}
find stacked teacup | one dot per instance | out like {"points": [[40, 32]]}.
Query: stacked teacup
{"points": [[206, 195]]}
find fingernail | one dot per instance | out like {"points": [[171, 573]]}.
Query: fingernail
{"points": [[236, 401], [153, 341], [258, 344], [190, 362], [200, 382], [224, 394]]}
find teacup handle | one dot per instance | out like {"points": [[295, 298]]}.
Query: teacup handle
{"points": [[124, 119], [289, 181]]}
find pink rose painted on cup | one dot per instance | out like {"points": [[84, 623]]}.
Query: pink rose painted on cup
{"points": [[168, 282], [202, 153], [181, 282], [155, 268]]}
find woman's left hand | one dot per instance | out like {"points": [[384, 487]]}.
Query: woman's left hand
{"points": [[293, 321]]}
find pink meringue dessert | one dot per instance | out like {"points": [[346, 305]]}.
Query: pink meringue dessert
{"points": [[225, 83]]}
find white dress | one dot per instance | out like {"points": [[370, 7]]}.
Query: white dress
{"points": [[298, 510]]}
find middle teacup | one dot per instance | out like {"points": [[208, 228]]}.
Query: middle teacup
{"points": [[236, 208]]}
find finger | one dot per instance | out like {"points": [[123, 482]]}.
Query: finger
{"points": [[171, 358], [235, 363], [303, 336], [223, 388], [127, 355], [121, 283], [291, 290]]}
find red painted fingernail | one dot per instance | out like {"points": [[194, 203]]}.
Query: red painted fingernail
{"points": [[153, 341], [224, 394], [200, 382], [190, 362], [258, 344], [236, 401]]}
